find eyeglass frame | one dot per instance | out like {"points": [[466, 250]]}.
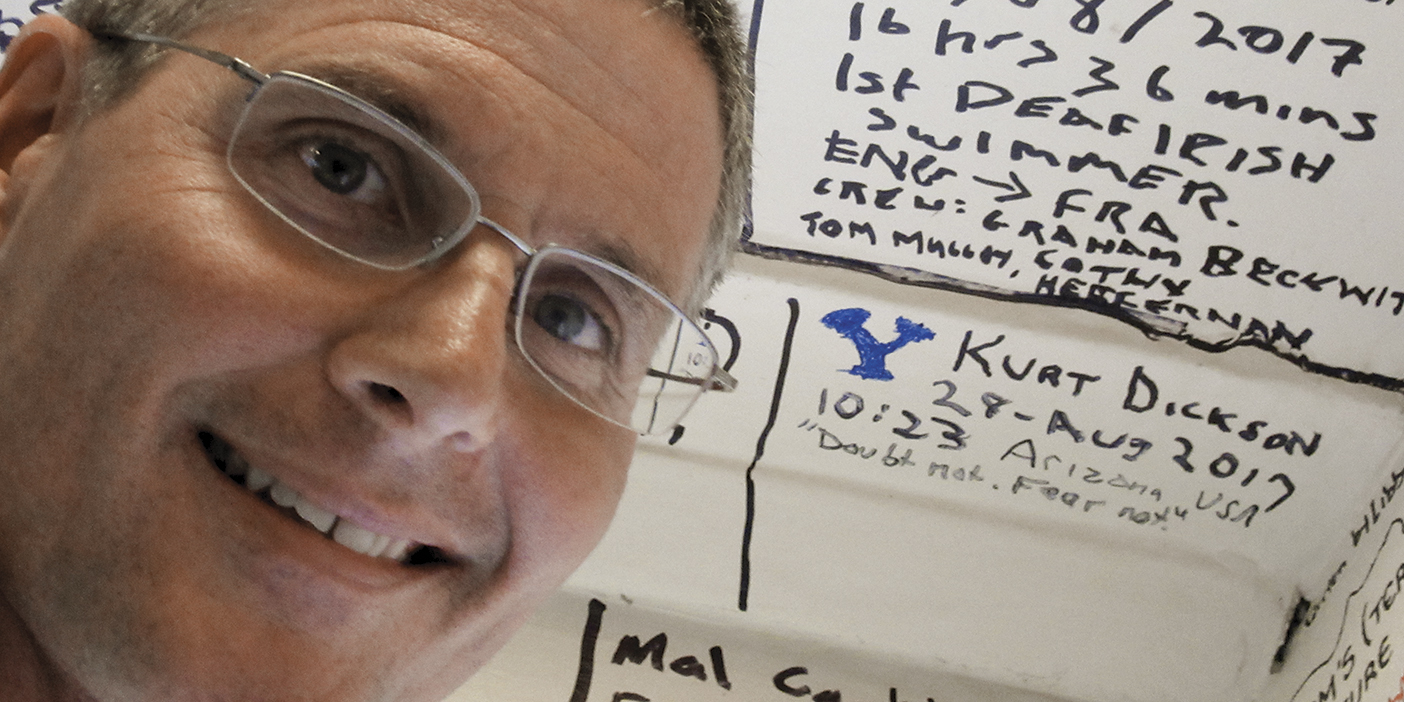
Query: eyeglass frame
{"points": [[719, 381]]}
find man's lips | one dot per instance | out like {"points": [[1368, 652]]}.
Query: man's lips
{"points": [[340, 529]]}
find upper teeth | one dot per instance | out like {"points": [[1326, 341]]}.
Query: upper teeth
{"points": [[342, 530]]}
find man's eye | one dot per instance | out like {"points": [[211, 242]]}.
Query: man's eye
{"points": [[344, 170], [571, 321]]}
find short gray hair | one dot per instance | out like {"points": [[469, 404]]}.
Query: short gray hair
{"points": [[115, 69]]}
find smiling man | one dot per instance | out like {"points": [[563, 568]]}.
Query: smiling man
{"points": [[323, 365]]}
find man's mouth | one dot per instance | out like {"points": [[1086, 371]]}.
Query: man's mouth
{"points": [[335, 527]]}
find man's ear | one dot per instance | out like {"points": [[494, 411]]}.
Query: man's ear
{"points": [[41, 86]]}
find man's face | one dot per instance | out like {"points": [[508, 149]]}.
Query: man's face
{"points": [[158, 320]]}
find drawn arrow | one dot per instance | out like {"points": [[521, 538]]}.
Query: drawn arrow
{"points": [[1022, 192]]}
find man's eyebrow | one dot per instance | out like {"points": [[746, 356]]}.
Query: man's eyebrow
{"points": [[380, 92], [622, 253]]}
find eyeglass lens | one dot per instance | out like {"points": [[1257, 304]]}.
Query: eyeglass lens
{"points": [[362, 184], [615, 346]]}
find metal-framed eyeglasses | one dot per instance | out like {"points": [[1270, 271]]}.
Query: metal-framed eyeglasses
{"points": [[362, 183]]}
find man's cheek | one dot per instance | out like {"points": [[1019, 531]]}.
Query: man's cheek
{"points": [[578, 492]]}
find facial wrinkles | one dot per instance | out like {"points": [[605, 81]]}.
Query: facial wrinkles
{"points": [[608, 59], [660, 157], [600, 107], [573, 134]]}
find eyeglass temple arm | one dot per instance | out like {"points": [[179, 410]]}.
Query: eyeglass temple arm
{"points": [[239, 66], [721, 381]]}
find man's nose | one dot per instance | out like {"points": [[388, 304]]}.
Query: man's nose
{"points": [[426, 366]]}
